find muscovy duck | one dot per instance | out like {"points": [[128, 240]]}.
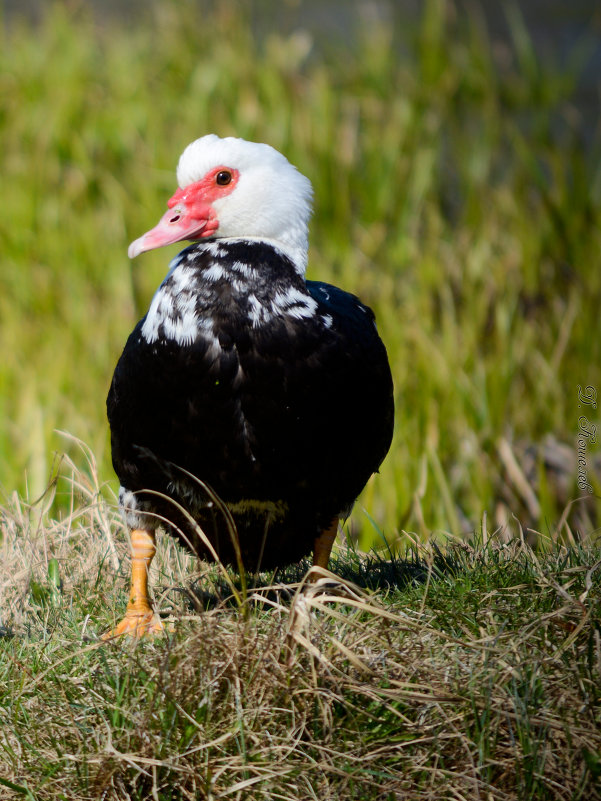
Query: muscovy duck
{"points": [[246, 392]]}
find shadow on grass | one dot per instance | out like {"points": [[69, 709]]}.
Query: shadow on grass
{"points": [[369, 571]]}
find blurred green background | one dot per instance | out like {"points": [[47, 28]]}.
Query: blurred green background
{"points": [[455, 155]]}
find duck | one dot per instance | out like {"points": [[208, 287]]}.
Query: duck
{"points": [[250, 406]]}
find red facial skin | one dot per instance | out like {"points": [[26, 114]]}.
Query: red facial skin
{"points": [[191, 214]]}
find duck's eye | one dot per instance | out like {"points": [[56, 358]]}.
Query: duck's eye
{"points": [[223, 177]]}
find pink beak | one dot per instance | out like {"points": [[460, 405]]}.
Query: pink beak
{"points": [[182, 221]]}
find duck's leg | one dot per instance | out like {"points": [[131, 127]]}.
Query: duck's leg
{"points": [[140, 618], [323, 545]]}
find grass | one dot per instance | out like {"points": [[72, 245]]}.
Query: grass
{"points": [[457, 191], [473, 673]]}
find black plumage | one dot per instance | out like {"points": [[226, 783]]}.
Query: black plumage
{"points": [[273, 390]]}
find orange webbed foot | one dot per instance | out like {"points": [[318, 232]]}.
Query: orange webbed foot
{"points": [[137, 624]]}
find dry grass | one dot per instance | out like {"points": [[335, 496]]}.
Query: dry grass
{"points": [[470, 674]]}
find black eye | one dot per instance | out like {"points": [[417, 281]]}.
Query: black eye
{"points": [[223, 178]]}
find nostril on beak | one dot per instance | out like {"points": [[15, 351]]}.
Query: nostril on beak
{"points": [[175, 218]]}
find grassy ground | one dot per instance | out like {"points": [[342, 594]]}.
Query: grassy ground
{"points": [[457, 191], [470, 675]]}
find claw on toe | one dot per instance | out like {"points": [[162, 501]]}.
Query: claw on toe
{"points": [[140, 624]]}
